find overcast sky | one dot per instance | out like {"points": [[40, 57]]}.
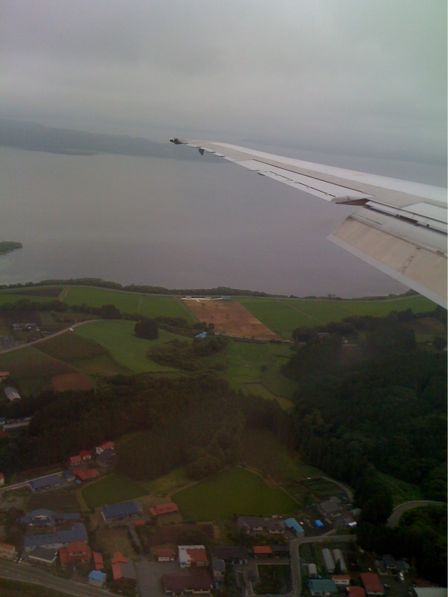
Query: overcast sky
{"points": [[363, 74]]}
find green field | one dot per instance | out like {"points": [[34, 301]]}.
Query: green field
{"points": [[13, 588], [236, 491], [10, 298], [118, 338], [32, 368], [400, 490], [256, 368], [284, 315], [111, 489], [260, 449], [127, 302]]}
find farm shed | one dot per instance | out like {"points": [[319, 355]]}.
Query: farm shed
{"points": [[328, 560]]}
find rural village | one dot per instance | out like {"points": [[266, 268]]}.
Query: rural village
{"points": [[85, 523]]}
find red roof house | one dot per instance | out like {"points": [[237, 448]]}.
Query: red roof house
{"points": [[164, 553], [167, 508], [372, 583], [262, 550], [74, 552], [85, 474], [98, 560], [356, 592], [74, 460], [104, 446], [4, 375], [118, 558], [85, 455]]}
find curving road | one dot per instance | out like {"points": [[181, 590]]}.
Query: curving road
{"points": [[59, 333], [394, 519], [26, 573]]}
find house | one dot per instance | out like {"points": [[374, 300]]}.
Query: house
{"points": [[256, 525], [8, 551], [56, 539], [43, 555], [118, 558], [124, 572], [430, 592], [121, 512], [98, 560], [312, 570], [164, 553], [341, 580], [48, 482], [218, 570], [166, 513], [294, 526], [12, 393], [198, 582], [42, 517], [105, 446], [85, 455], [192, 556], [318, 524], [75, 553], [389, 563], [262, 551], [356, 592], [97, 578], [233, 554], [328, 560], [322, 587], [2, 479], [74, 460], [339, 560], [162, 509], [85, 474], [372, 583], [4, 375]]}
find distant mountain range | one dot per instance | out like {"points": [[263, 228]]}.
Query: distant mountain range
{"points": [[35, 137]]}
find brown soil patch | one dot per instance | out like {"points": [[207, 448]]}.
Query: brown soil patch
{"points": [[230, 318], [71, 381]]}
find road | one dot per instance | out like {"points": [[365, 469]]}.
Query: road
{"points": [[34, 342], [296, 567], [394, 518], [26, 573]]}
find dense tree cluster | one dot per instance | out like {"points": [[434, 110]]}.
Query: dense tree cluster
{"points": [[147, 328]]}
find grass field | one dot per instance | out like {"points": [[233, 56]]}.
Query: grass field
{"points": [[256, 368], [32, 368], [12, 297], [111, 489], [236, 491], [263, 451], [118, 338], [284, 315], [127, 302]]}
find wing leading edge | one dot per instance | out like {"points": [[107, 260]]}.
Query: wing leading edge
{"points": [[398, 226]]}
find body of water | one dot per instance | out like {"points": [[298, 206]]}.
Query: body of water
{"points": [[172, 222]]}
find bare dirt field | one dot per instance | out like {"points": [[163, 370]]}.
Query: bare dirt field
{"points": [[71, 381], [230, 318]]}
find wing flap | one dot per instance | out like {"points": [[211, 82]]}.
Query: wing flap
{"points": [[413, 265]]}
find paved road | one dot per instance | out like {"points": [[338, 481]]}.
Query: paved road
{"points": [[27, 573], [297, 566], [25, 344], [398, 512]]}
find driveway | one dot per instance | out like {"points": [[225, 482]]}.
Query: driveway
{"points": [[149, 575]]}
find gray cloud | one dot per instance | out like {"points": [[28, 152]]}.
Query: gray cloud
{"points": [[368, 74]]}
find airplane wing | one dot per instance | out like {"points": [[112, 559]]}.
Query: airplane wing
{"points": [[398, 226]]}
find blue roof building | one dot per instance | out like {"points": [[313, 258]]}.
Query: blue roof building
{"points": [[115, 512], [55, 540], [318, 524], [293, 525], [44, 517], [48, 482], [97, 578], [322, 587]]}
